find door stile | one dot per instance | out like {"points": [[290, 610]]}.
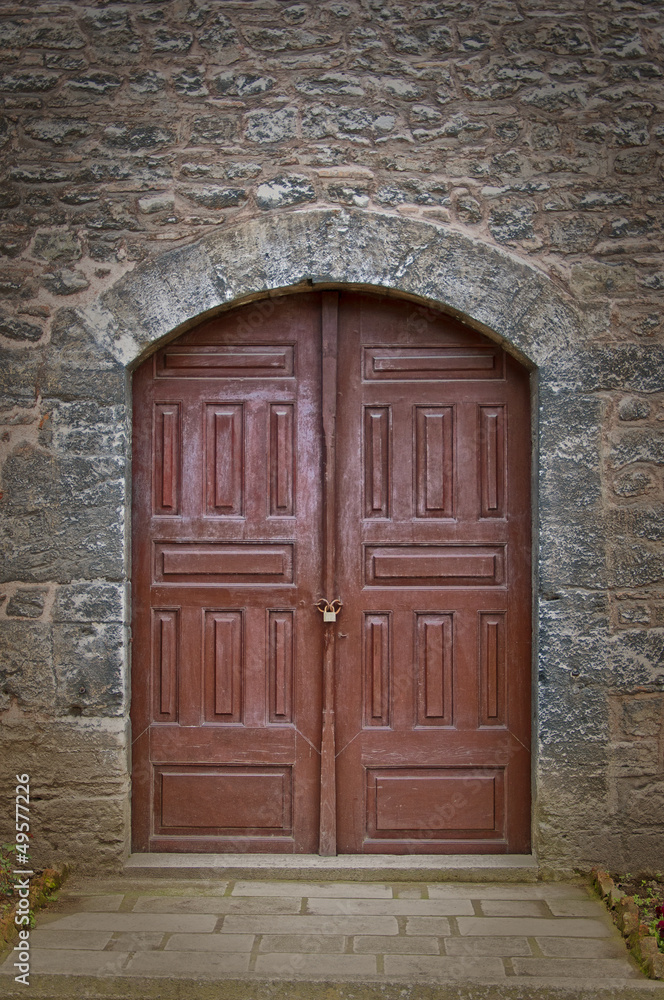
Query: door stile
{"points": [[328, 794]]}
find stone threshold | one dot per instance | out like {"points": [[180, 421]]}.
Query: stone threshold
{"points": [[344, 867], [254, 988]]}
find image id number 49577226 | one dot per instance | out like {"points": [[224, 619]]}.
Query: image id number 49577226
{"points": [[22, 874]]}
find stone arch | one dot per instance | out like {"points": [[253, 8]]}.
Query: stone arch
{"points": [[496, 292], [493, 291]]}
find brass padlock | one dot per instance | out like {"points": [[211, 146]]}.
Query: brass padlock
{"points": [[329, 609]]}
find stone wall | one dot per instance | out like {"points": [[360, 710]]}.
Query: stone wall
{"points": [[502, 159]]}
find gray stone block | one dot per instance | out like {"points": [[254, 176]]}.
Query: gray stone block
{"points": [[26, 604], [631, 368], [89, 602], [573, 551], [62, 545], [89, 668], [26, 665]]}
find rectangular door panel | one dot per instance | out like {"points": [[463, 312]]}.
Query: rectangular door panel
{"points": [[224, 460], [433, 363], [224, 666], [434, 461], [226, 361], [433, 802], [434, 645], [245, 563], [224, 800], [166, 451], [434, 566], [281, 640]]}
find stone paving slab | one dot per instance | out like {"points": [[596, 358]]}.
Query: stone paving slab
{"points": [[538, 936], [394, 907], [220, 905], [344, 890]]}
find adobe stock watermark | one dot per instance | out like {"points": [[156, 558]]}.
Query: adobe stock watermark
{"points": [[22, 874]]}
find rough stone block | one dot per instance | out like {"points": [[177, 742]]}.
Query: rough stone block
{"points": [[271, 126], [89, 668], [84, 428], [89, 602], [26, 604], [26, 665]]}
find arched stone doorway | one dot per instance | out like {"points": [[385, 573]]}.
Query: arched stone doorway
{"points": [[345, 444], [495, 292]]}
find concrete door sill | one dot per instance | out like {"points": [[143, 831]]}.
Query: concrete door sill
{"points": [[344, 867]]}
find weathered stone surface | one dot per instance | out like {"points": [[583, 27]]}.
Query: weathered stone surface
{"points": [[26, 604], [635, 482], [95, 83], [570, 473], [626, 367], [140, 137], [633, 408], [235, 84], [89, 602], [84, 428], [65, 282], [84, 760], [171, 42], [321, 121], [34, 480], [282, 39], [190, 84], [332, 83], [638, 445], [511, 223], [26, 665], [60, 132], [62, 545], [163, 202], [19, 329], [28, 81], [57, 246], [88, 668], [213, 129], [271, 126], [217, 197], [285, 190], [150, 82]]}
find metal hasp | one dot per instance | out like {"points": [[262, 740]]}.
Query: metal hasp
{"points": [[329, 609]]}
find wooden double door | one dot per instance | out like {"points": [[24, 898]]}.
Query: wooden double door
{"points": [[327, 446]]}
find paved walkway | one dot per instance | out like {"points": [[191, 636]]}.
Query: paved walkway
{"points": [[535, 935]]}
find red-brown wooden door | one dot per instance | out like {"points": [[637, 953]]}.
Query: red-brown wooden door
{"points": [[227, 646], [237, 532], [433, 564]]}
